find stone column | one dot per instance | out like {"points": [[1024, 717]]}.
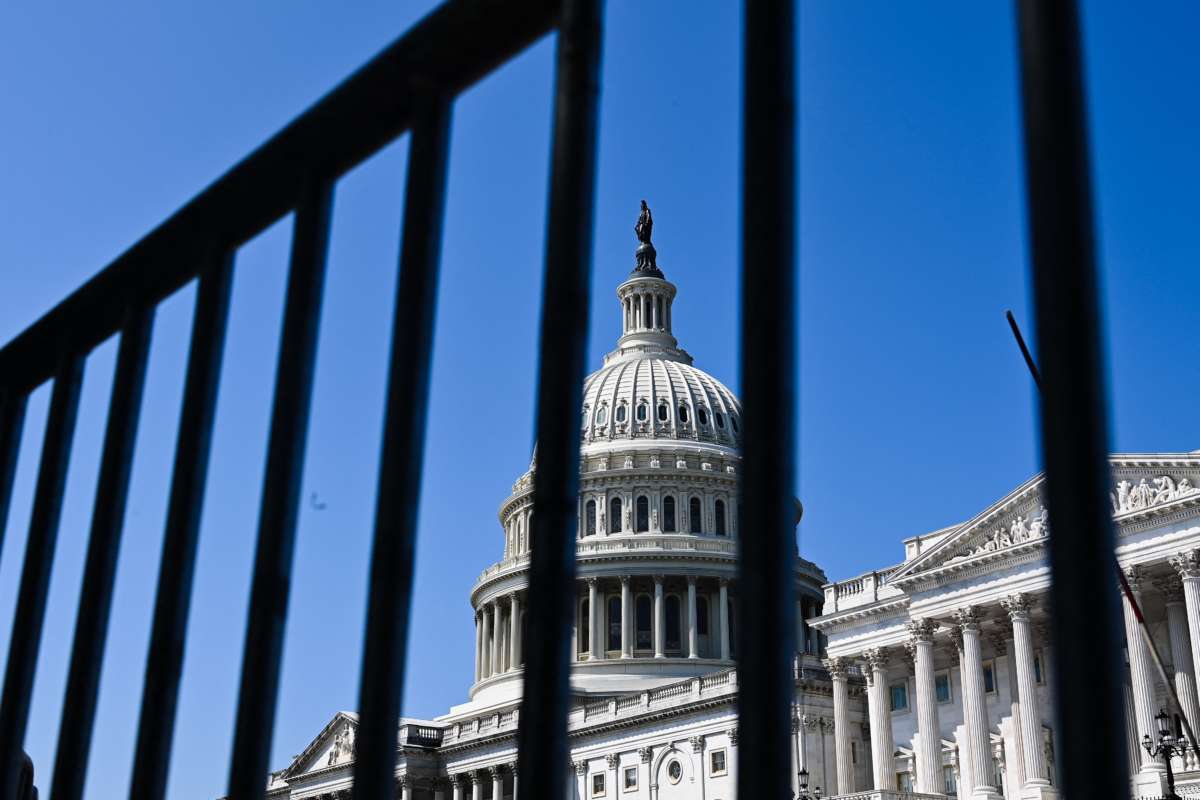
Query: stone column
{"points": [[594, 622], [497, 621], [581, 778], [660, 618], [405, 783], [613, 762], [645, 755], [800, 625], [1188, 567], [497, 774], [1014, 758], [513, 769], [476, 786], [1181, 652], [1033, 758], [691, 610], [478, 648], [456, 787], [724, 617], [626, 619], [929, 746], [883, 745], [485, 656], [514, 632], [841, 724], [975, 704], [1140, 674]]}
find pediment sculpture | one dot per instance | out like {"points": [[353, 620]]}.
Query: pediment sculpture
{"points": [[1017, 531], [343, 745], [1157, 491]]}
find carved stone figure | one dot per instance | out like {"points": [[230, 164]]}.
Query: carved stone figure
{"points": [[1039, 526], [645, 224], [647, 258], [1018, 530], [1164, 489], [1143, 495], [1121, 500]]}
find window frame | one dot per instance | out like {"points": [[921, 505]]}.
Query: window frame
{"points": [[589, 513], [949, 687], [602, 789], [720, 517], [695, 514], [900, 684], [641, 514], [989, 665], [625, 773], [713, 772], [669, 520]]}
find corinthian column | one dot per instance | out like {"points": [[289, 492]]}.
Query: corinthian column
{"points": [[497, 653], [594, 632], [514, 632], [626, 619], [1032, 756], [975, 704], [485, 657], [841, 724], [1188, 567], [929, 746], [1181, 652], [660, 622], [882, 745], [693, 650], [1141, 677]]}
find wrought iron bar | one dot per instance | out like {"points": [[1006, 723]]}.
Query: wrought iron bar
{"points": [[393, 552], [12, 423], [95, 597], [263, 647], [766, 559], [26, 639], [1086, 619], [542, 737], [168, 631]]}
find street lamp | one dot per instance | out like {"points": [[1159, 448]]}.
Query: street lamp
{"points": [[805, 794], [1168, 747]]}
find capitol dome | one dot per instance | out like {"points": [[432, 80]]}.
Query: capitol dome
{"points": [[657, 534]]}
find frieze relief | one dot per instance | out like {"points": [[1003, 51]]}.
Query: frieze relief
{"points": [[1147, 494], [1018, 530]]}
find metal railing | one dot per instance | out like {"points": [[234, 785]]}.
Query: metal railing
{"points": [[410, 87]]}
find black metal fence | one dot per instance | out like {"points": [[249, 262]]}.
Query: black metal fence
{"points": [[410, 87]]}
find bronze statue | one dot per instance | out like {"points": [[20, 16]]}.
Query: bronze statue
{"points": [[646, 256]]}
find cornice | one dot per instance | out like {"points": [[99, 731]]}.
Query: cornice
{"points": [[838, 619]]}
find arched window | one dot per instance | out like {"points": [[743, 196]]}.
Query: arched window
{"points": [[662, 412], [614, 623], [642, 510], [614, 515], [674, 622], [720, 514], [585, 627], [602, 415], [641, 412], [733, 422], [669, 514], [702, 415], [589, 524], [643, 616], [621, 413], [661, 321], [694, 517], [720, 420], [701, 615], [683, 414]]}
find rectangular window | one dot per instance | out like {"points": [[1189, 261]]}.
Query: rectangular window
{"points": [[951, 785], [941, 687], [598, 785], [1037, 669], [630, 780], [899, 695], [989, 677], [853, 752], [717, 763], [904, 781]]}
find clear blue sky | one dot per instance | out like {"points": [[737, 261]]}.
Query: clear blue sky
{"points": [[916, 410]]}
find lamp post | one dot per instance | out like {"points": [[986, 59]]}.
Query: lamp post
{"points": [[805, 794], [1168, 746]]}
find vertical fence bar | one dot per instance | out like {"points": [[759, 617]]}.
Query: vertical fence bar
{"points": [[562, 352], [1086, 620], [95, 596], [12, 422], [393, 552], [168, 632], [263, 647], [766, 560], [35, 575]]}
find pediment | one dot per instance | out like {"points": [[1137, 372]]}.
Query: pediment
{"points": [[333, 746], [1018, 523]]}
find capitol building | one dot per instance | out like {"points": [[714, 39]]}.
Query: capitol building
{"points": [[924, 679]]}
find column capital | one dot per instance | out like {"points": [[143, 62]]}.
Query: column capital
{"points": [[723, 582], [836, 667], [1171, 588], [1134, 576], [612, 759], [476, 778], [921, 630], [625, 579], [580, 767], [514, 596], [1187, 564], [1018, 606], [455, 778], [967, 618], [644, 754], [496, 771], [697, 743], [404, 781], [877, 658], [512, 767], [733, 736], [691, 580], [659, 579], [592, 580]]}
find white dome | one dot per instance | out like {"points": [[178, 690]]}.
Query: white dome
{"points": [[658, 396]]}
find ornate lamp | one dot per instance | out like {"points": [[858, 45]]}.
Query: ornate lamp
{"points": [[1167, 748]]}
